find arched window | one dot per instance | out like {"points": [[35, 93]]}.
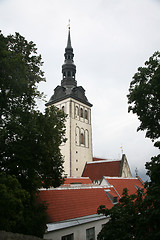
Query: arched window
{"points": [[86, 138], [63, 108], [82, 138], [81, 112], [86, 114], [77, 132], [77, 111]]}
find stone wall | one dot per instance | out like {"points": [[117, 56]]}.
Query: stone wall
{"points": [[16, 236]]}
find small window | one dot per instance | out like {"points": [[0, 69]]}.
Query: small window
{"points": [[86, 114], [76, 169], [115, 200], [90, 234], [81, 112], [68, 237]]}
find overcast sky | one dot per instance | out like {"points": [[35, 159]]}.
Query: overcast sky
{"points": [[111, 39]]}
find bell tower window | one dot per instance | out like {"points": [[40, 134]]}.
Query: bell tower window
{"points": [[86, 114], [81, 112], [82, 138]]}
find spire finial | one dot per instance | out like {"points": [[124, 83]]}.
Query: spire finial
{"points": [[69, 25], [69, 37]]}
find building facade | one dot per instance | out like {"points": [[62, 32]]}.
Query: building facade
{"points": [[71, 99]]}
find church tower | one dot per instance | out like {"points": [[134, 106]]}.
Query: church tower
{"points": [[72, 100]]}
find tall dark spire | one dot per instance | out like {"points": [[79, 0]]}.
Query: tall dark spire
{"points": [[68, 68], [68, 86]]}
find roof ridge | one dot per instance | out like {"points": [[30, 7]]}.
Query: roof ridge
{"points": [[111, 160], [120, 177], [76, 187]]}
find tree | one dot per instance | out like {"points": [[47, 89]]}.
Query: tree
{"points": [[125, 218], [138, 216], [11, 202], [29, 139], [144, 96], [144, 100], [18, 211], [152, 199]]}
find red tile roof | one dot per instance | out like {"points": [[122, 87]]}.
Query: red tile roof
{"points": [[96, 170], [81, 180], [121, 183], [70, 203]]}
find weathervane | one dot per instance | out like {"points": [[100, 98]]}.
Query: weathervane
{"points": [[121, 149], [69, 24]]}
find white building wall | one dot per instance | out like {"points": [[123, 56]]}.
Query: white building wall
{"points": [[79, 232], [76, 153]]}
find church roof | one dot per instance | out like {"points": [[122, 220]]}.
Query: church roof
{"points": [[69, 203], [97, 169]]}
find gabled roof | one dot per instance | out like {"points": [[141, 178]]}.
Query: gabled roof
{"points": [[77, 180], [72, 203], [97, 169], [132, 184]]}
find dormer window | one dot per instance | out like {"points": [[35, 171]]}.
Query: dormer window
{"points": [[113, 198]]}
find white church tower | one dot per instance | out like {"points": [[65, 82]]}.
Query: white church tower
{"points": [[72, 100]]}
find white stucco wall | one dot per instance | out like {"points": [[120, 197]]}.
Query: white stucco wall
{"points": [[78, 231]]}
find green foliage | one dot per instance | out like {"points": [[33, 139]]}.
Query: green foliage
{"points": [[19, 211], [12, 201], [152, 198], [138, 216], [144, 96], [29, 139], [125, 218]]}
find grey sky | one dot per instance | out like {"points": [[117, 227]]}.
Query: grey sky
{"points": [[111, 39]]}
